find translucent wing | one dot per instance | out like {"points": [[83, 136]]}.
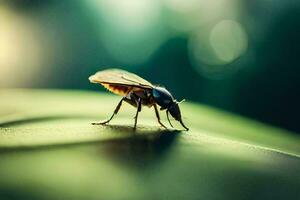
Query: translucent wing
{"points": [[120, 81], [118, 76]]}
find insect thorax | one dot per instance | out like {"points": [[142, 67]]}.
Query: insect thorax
{"points": [[162, 96]]}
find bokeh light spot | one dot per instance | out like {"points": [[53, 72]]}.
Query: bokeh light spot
{"points": [[20, 49], [186, 15], [131, 15], [130, 30], [213, 50], [229, 40]]}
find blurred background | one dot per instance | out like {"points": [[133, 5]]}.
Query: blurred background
{"points": [[241, 56]]}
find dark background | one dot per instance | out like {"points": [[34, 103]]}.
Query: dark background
{"points": [[240, 56]]}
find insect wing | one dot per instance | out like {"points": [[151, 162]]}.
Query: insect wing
{"points": [[121, 77]]}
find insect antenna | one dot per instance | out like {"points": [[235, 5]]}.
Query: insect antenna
{"points": [[183, 100]]}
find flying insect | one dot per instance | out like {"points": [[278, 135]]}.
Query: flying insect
{"points": [[137, 92]]}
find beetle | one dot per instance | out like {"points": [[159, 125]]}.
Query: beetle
{"points": [[137, 92]]}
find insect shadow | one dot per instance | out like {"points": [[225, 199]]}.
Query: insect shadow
{"points": [[142, 149]]}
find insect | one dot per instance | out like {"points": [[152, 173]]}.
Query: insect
{"points": [[137, 92]]}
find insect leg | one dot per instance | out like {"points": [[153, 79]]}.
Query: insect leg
{"points": [[139, 108], [115, 112], [169, 118], [158, 117]]}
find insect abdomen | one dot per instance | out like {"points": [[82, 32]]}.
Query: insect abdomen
{"points": [[118, 89]]}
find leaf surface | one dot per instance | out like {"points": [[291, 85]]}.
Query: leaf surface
{"points": [[50, 150]]}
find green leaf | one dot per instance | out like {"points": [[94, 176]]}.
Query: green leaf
{"points": [[50, 150]]}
